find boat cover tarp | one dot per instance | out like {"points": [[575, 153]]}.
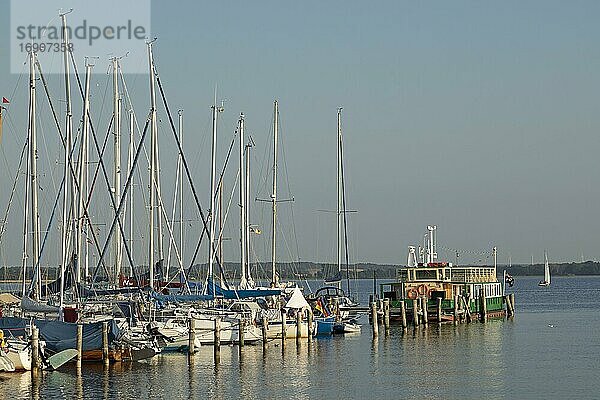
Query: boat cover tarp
{"points": [[297, 300], [9, 298], [92, 292], [28, 304], [334, 279], [62, 335], [177, 298], [240, 294]]}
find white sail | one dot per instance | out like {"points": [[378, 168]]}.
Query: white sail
{"points": [[546, 269]]}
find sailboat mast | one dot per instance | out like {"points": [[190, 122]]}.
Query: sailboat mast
{"points": [[211, 248], [130, 155], [274, 194], [68, 187], [180, 173], [153, 140], [117, 249], [82, 169], [243, 230], [247, 216], [339, 195], [35, 218]]}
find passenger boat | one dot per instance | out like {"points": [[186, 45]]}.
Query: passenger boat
{"points": [[463, 291]]}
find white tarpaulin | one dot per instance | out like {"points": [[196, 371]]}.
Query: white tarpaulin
{"points": [[297, 300]]}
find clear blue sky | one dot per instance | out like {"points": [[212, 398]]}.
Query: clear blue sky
{"points": [[480, 117]]}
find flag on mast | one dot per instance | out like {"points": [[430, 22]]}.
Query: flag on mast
{"points": [[5, 100], [1, 108]]}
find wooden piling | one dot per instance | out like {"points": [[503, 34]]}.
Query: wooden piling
{"points": [[191, 335], [298, 325], [217, 337], [79, 345], [105, 357], [512, 303], [467, 305], [386, 314], [415, 313], [241, 329], [506, 300], [375, 321], [265, 327], [456, 299], [35, 346], [424, 308], [283, 327], [439, 310], [310, 325], [483, 305], [403, 312]]}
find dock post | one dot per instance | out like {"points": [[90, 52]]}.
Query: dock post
{"points": [[35, 346], [241, 328], [283, 327], [386, 314], [217, 339], [512, 303], [483, 306], [374, 317], [415, 313], [467, 303], [105, 357], [439, 310], [456, 309], [403, 311], [298, 325], [424, 307], [191, 336], [506, 299], [79, 345], [310, 325], [265, 327]]}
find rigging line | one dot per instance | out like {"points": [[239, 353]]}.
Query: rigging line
{"points": [[344, 214], [138, 172], [46, 233], [187, 171], [8, 115], [108, 186], [121, 202], [174, 209], [12, 192], [287, 180]]}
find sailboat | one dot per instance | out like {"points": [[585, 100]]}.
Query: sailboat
{"points": [[546, 281], [346, 310]]}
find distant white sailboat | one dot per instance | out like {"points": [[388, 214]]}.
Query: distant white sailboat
{"points": [[546, 281]]}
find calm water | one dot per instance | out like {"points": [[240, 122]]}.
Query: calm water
{"points": [[550, 350]]}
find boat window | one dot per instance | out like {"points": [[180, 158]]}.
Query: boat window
{"points": [[426, 274]]}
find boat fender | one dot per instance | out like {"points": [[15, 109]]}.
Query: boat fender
{"points": [[412, 294], [422, 289]]}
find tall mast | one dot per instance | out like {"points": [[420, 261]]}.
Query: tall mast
{"points": [[68, 187], [180, 172], [247, 216], [35, 218], [153, 143], [243, 197], [117, 238], [274, 194], [211, 250], [339, 194], [130, 155], [82, 169]]}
